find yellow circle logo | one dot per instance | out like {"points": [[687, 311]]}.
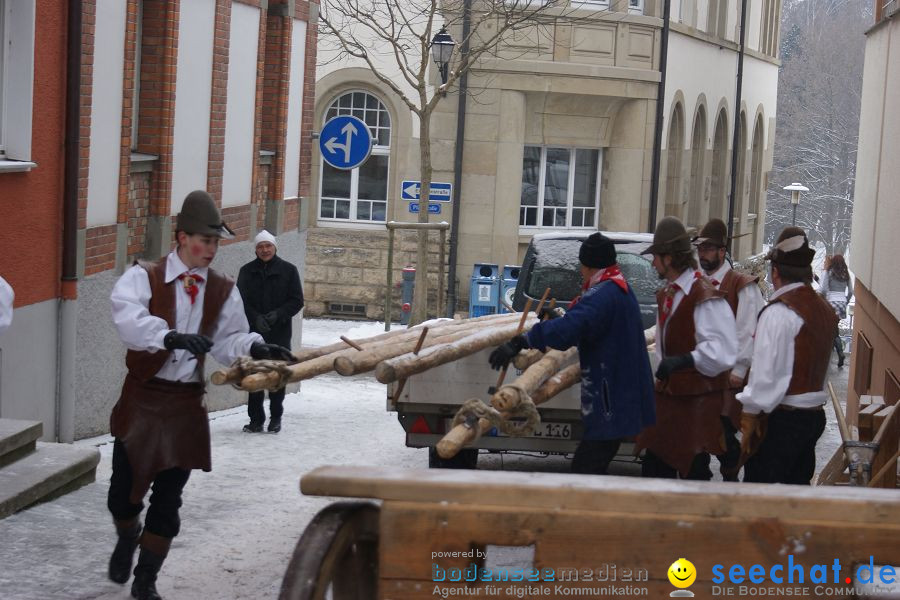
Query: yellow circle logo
{"points": [[682, 573]]}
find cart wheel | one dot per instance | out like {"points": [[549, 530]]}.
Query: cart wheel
{"points": [[337, 551]]}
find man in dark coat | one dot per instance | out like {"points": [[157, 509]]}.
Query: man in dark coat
{"points": [[616, 381], [270, 287]]}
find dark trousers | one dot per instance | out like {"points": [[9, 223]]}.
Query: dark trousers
{"points": [[788, 452], [165, 497], [729, 460], [255, 405], [592, 457], [654, 466]]}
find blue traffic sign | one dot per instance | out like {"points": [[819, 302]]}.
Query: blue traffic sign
{"points": [[345, 142], [440, 192], [433, 208]]}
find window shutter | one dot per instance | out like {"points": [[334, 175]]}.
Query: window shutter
{"points": [[19, 78]]}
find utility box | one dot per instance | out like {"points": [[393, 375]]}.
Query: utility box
{"points": [[406, 293], [508, 288], [484, 293]]}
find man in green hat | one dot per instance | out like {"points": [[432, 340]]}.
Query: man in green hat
{"points": [[169, 314], [783, 401], [696, 346]]}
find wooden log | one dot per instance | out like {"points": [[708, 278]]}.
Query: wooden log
{"points": [[839, 413], [505, 368], [509, 397], [525, 359], [460, 436], [562, 380], [415, 351], [405, 365]]}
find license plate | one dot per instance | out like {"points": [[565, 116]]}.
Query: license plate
{"points": [[555, 431]]}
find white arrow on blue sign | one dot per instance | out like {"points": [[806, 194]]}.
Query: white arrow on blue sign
{"points": [[440, 192], [433, 208], [345, 142]]}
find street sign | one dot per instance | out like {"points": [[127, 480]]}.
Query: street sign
{"points": [[433, 208], [345, 142], [440, 192]]}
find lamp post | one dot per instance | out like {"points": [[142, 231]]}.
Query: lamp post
{"points": [[441, 50], [795, 189]]}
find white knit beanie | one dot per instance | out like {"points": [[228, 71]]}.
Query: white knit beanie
{"points": [[264, 236]]}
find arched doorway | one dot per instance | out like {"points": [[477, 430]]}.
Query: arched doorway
{"points": [[674, 200], [756, 187], [718, 179], [739, 248], [698, 156]]}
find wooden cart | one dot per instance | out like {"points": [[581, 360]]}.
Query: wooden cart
{"points": [[626, 530]]}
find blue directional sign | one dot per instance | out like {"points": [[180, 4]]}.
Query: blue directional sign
{"points": [[433, 208], [440, 192], [345, 142]]}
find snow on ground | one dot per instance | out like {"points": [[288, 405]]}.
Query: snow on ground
{"points": [[241, 521]]}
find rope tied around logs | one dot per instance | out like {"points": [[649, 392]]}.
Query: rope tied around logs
{"points": [[475, 407], [249, 366]]}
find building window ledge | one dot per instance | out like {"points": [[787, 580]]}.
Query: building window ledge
{"points": [[16, 166], [266, 157], [142, 163]]}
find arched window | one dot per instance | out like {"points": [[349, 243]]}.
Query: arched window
{"points": [[359, 194]]}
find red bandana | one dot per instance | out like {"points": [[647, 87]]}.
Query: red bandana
{"points": [[611, 273], [670, 292], [190, 284]]}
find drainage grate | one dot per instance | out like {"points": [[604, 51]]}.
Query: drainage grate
{"points": [[347, 310]]}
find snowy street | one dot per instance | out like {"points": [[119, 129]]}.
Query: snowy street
{"points": [[240, 522]]}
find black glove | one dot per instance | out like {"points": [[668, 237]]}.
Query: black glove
{"points": [[192, 342], [501, 356], [674, 363], [548, 313], [261, 324], [272, 318], [261, 351]]}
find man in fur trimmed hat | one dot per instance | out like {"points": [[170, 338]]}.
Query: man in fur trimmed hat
{"points": [[616, 382], [783, 401], [697, 346], [745, 299], [169, 314]]}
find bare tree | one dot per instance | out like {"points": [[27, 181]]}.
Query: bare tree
{"points": [[394, 37], [820, 85]]}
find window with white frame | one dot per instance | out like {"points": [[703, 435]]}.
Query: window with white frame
{"points": [[633, 6], [16, 83], [560, 187], [360, 194]]}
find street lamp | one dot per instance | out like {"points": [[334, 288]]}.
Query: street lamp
{"points": [[795, 189], [441, 49]]}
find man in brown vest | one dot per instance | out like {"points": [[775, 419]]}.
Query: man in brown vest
{"points": [[696, 345], [743, 296], [169, 314], [783, 414]]}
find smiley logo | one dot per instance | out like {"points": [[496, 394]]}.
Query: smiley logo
{"points": [[682, 573]]}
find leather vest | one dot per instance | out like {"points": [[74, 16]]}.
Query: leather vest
{"points": [[681, 338], [732, 284], [145, 365], [812, 345]]}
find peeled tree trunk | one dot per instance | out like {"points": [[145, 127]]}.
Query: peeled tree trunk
{"points": [[510, 396]]}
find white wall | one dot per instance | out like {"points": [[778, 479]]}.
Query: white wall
{"points": [[106, 113], [237, 178], [295, 110], [193, 92]]}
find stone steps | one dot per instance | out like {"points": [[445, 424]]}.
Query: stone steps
{"points": [[32, 471]]}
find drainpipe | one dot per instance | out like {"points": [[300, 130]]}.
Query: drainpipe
{"points": [[660, 107], [737, 123], [68, 313], [457, 161]]}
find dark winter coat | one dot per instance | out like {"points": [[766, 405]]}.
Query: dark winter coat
{"points": [[268, 286], [616, 382]]}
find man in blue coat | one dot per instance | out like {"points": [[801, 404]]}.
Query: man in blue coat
{"points": [[616, 380]]}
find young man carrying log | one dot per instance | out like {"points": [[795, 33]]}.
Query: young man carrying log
{"points": [[616, 383], [697, 345], [745, 300], [783, 401], [169, 314]]}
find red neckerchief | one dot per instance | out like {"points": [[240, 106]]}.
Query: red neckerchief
{"points": [[612, 273], [190, 284]]}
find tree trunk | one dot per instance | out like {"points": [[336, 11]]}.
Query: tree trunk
{"points": [[420, 294]]}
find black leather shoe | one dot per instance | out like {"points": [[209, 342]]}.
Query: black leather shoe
{"points": [[123, 554], [144, 587], [274, 425], [253, 427]]}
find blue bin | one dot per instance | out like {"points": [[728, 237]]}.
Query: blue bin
{"points": [[507, 287], [484, 291]]}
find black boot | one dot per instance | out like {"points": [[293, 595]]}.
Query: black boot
{"points": [[154, 549], [123, 554]]}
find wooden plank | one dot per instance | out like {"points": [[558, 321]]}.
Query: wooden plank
{"points": [[626, 495], [862, 376], [888, 445], [834, 468], [866, 425], [891, 387]]}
